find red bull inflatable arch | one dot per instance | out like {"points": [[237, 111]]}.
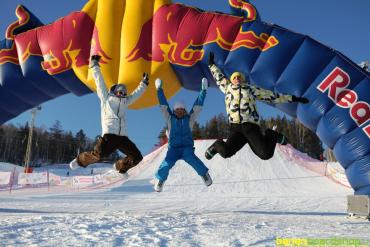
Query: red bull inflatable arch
{"points": [[172, 41]]}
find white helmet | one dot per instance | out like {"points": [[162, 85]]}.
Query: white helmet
{"points": [[179, 105]]}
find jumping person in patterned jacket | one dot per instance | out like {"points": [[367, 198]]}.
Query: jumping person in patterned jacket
{"points": [[114, 104], [240, 100]]}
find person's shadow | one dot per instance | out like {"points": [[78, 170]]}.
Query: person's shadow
{"points": [[135, 186]]}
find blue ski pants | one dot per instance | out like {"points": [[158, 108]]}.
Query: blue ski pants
{"points": [[175, 154]]}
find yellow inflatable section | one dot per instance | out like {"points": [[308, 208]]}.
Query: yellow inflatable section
{"points": [[119, 24]]}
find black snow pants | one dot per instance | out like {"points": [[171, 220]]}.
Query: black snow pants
{"points": [[263, 145], [107, 145]]}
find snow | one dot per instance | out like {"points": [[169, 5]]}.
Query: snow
{"points": [[7, 167], [251, 203]]}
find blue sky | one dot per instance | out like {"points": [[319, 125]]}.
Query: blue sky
{"points": [[340, 24]]}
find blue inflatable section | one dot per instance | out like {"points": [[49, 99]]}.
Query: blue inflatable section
{"points": [[338, 90]]}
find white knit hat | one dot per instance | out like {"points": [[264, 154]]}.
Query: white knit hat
{"points": [[179, 104]]}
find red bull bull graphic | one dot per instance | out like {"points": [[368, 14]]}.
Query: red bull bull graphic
{"points": [[75, 37], [336, 84], [187, 49], [23, 82]]}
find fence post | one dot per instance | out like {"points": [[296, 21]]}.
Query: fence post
{"points": [[47, 172], [326, 168], [12, 181]]}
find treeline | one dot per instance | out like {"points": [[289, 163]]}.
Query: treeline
{"points": [[298, 135], [49, 146], [54, 145]]}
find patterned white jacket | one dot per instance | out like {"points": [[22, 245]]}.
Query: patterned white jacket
{"points": [[240, 100]]}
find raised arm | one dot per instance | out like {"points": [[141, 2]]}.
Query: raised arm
{"points": [[101, 88], [198, 104], [165, 108], [139, 90], [270, 96], [277, 98], [217, 74]]}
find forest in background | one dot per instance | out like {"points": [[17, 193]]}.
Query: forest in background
{"points": [[49, 146], [55, 146]]}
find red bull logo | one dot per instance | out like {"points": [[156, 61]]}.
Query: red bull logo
{"points": [[179, 35], [336, 84], [68, 41]]}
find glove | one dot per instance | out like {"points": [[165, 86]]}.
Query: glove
{"points": [[145, 79], [300, 99], [158, 83], [94, 60], [204, 84], [211, 59]]}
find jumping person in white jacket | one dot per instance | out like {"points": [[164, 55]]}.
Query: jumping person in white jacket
{"points": [[114, 130]]}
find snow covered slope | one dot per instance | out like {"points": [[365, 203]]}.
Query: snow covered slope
{"points": [[7, 167], [251, 203]]}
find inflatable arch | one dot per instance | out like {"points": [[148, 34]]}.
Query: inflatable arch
{"points": [[172, 41]]}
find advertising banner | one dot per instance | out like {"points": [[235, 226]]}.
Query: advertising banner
{"points": [[83, 181], [32, 178], [54, 179], [5, 178]]}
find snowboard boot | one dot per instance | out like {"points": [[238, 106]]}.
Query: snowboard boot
{"points": [[74, 164], [282, 140], [207, 179], [123, 165], [158, 187], [211, 151], [86, 158]]}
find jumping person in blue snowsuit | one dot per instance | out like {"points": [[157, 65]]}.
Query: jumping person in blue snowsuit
{"points": [[180, 139]]}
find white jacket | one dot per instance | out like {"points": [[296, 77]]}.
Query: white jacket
{"points": [[113, 109]]}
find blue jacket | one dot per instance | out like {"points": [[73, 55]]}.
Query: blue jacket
{"points": [[179, 130]]}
